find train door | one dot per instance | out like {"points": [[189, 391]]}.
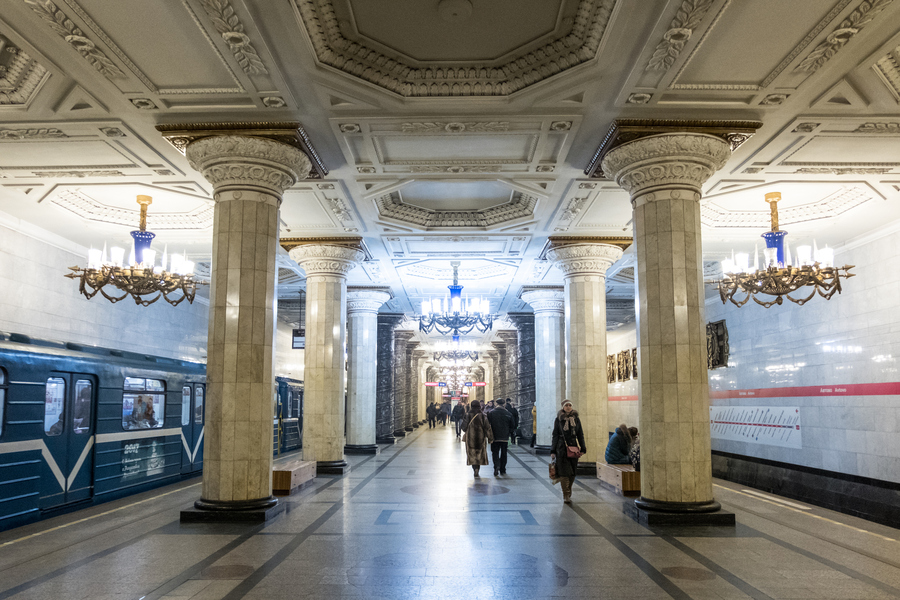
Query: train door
{"points": [[193, 400], [68, 466], [292, 397], [278, 419]]}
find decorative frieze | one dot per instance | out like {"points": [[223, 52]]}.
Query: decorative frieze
{"points": [[32, 134], [861, 16], [391, 206], [454, 127], [62, 25], [231, 29], [687, 18]]}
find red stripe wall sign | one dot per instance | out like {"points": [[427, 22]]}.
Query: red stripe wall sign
{"points": [[853, 389]]}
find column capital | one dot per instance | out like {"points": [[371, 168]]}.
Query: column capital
{"points": [[392, 319], [240, 162], [509, 336], [544, 299], [677, 162], [327, 259], [583, 258], [366, 299], [404, 335], [520, 319]]}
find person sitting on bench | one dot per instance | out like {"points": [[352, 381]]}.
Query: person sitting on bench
{"points": [[619, 445]]}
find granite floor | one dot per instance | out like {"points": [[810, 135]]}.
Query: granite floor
{"points": [[412, 523]]}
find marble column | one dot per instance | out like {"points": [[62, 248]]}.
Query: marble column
{"points": [[412, 396], [249, 176], [549, 357], [324, 376], [499, 371], [362, 366], [490, 359], [420, 358], [401, 388], [664, 174], [525, 392], [584, 266], [385, 403], [510, 338]]}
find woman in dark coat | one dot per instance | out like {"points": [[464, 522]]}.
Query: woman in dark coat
{"points": [[567, 431], [478, 437], [620, 445]]}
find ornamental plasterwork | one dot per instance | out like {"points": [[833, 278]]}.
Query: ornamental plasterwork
{"points": [[862, 15], [87, 208], [878, 128], [78, 173], [31, 134], [466, 274], [455, 168], [584, 259], [888, 69], [232, 31], [454, 127], [843, 170], [572, 210], [392, 207], [676, 158], [549, 299], [322, 259], [836, 204], [579, 45], [235, 159], [60, 23], [22, 78], [366, 299], [688, 17]]}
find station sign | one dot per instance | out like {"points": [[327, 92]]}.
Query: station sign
{"points": [[468, 384], [442, 384], [479, 384], [431, 384]]}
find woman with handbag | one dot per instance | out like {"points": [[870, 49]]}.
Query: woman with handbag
{"points": [[567, 447], [478, 436]]}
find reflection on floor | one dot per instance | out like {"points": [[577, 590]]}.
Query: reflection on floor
{"points": [[412, 523]]}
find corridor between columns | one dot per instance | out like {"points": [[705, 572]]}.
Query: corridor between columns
{"points": [[412, 523]]}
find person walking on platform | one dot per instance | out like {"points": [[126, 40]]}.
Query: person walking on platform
{"points": [[501, 426], [459, 411], [567, 446], [445, 412], [431, 414], [515, 415], [478, 436], [533, 424]]}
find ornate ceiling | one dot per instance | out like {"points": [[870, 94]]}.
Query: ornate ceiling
{"points": [[448, 129]]}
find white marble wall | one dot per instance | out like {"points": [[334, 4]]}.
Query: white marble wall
{"points": [[854, 338], [620, 410], [549, 357], [36, 300]]}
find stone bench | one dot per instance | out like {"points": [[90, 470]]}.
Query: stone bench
{"points": [[622, 478], [291, 476]]}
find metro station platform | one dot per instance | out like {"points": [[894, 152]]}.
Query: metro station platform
{"points": [[412, 523]]}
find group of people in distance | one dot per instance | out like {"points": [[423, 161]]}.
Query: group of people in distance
{"points": [[495, 425]]}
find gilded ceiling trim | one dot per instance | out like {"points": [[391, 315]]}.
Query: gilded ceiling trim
{"points": [[579, 45], [354, 242], [558, 241]]}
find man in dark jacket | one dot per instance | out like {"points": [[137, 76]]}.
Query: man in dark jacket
{"points": [[515, 415], [459, 411], [501, 426]]}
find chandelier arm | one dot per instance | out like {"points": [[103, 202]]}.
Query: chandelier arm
{"points": [[112, 298], [802, 301]]}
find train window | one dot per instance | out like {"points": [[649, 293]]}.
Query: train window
{"points": [[54, 406], [290, 401], [81, 415], [185, 405], [3, 387], [143, 410], [198, 405]]}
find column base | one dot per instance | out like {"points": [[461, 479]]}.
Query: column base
{"points": [[586, 468], [390, 439], [416, 425], [543, 450], [657, 512], [332, 467], [362, 448], [408, 428], [398, 433], [225, 511]]}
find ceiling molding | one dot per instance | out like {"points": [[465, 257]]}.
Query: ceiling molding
{"points": [[579, 44], [391, 207], [22, 77]]}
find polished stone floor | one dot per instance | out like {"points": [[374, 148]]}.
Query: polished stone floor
{"points": [[412, 523]]}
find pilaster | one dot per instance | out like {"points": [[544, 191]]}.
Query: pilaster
{"points": [[385, 402]]}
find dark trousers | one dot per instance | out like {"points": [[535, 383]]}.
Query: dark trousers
{"points": [[458, 427], [431, 422], [499, 452]]}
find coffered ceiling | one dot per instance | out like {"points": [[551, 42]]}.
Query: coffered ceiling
{"points": [[450, 129]]}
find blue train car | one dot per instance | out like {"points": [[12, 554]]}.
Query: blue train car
{"points": [[81, 424], [288, 422]]}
